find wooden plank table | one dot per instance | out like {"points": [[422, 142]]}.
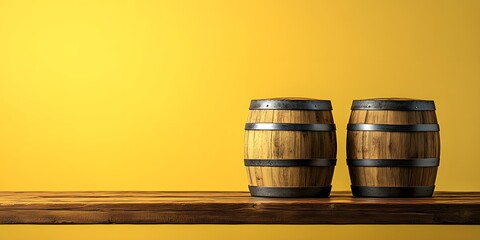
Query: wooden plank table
{"points": [[232, 208]]}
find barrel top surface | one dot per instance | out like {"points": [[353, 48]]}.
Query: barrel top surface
{"points": [[291, 103], [400, 104]]}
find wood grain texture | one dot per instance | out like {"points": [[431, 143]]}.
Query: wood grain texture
{"points": [[310, 176], [264, 145], [232, 208], [289, 116], [392, 145]]}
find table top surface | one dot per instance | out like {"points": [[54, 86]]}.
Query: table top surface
{"points": [[216, 207]]}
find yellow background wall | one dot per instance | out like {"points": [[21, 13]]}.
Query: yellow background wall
{"points": [[153, 95]]}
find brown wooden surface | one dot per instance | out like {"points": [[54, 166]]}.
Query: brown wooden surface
{"points": [[392, 145], [232, 208], [264, 145]]}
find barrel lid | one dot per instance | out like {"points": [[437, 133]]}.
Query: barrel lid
{"points": [[291, 104], [400, 104]]}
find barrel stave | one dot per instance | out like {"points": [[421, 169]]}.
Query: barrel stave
{"points": [[294, 146], [393, 144]]}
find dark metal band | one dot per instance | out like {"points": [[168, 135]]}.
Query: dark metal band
{"points": [[290, 127], [407, 105], [394, 128], [284, 104], [290, 192], [316, 162], [393, 192], [412, 162]]}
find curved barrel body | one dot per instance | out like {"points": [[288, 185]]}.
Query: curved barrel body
{"points": [[393, 148], [290, 148]]}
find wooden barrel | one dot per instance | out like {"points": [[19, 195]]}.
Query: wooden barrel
{"points": [[393, 148], [290, 147]]}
